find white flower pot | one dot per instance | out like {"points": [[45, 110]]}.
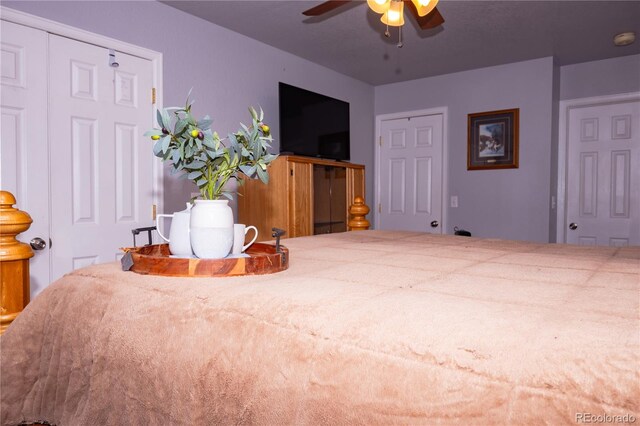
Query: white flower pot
{"points": [[211, 229]]}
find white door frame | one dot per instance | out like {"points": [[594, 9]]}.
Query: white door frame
{"points": [[64, 30], [563, 145], [445, 155]]}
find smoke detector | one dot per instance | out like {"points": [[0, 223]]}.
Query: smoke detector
{"points": [[624, 39]]}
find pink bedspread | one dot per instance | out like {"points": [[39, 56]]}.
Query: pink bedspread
{"points": [[364, 328]]}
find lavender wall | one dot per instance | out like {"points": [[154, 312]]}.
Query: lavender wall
{"points": [[599, 78], [228, 71], [510, 203]]}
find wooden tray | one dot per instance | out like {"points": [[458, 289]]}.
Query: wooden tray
{"points": [[155, 260]]}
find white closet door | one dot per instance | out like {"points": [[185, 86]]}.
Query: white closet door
{"points": [[24, 152], [603, 185], [101, 165], [411, 174]]}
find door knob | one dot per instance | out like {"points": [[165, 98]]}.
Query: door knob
{"points": [[434, 224], [573, 226], [38, 243]]}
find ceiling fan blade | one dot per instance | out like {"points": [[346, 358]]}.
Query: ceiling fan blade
{"points": [[430, 20], [325, 7]]}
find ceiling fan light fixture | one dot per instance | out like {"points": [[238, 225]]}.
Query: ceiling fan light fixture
{"points": [[424, 7], [394, 16], [379, 6]]}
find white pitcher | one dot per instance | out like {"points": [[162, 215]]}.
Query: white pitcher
{"points": [[179, 239]]}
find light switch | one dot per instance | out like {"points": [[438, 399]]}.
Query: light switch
{"points": [[454, 201]]}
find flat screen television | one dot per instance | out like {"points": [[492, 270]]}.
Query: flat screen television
{"points": [[312, 124]]}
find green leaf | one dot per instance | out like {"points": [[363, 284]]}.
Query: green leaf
{"points": [[153, 132], [253, 113], [159, 118], [194, 165], [233, 141], [166, 119], [180, 125], [245, 169], [157, 148], [166, 140], [205, 123], [194, 175], [264, 177], [208, 143], [269, 158]]}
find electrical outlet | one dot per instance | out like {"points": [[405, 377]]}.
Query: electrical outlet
{"points": [[454, 201]]}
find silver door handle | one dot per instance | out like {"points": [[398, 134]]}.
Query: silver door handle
{"points": [[434, 224], [573, 226], [38, 244]]}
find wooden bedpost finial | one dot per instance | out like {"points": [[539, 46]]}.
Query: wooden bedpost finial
{"points": [[358, 210], [14, 259], [12, 223]]}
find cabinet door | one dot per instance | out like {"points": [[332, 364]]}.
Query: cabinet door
{"points": [[300, 196], [329, 199], [266, 206]]}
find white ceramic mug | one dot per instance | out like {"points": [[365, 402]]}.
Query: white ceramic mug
{"points": [[239, 232]]}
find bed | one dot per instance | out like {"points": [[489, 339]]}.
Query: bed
{"points": [[369, 327]]}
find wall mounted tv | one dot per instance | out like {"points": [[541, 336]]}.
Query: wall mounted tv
{"points": [[312, 124]]}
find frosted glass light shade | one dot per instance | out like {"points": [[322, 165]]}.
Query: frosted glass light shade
{"points": [[424, 7], [394, 17], [379, 6]]}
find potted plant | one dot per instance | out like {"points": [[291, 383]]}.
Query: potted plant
{"points": [[211, 162]]}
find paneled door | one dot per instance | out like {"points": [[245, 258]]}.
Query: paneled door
{"points": [[101, 165], [24, 149], [410, 193], [603, 175]]}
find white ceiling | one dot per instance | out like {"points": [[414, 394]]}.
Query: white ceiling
{"points": [[476, 34]]}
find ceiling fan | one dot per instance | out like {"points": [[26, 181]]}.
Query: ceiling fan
{"points": [[424, 11]]}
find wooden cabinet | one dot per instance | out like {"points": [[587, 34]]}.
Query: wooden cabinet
{"points": [[295, 195]]}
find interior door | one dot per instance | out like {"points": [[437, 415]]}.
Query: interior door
{"points": [[24, 150], [101, 165], [603, 175], [410, 191]]}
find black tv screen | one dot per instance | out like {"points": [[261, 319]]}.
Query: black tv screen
{"points": [[312, 124]]}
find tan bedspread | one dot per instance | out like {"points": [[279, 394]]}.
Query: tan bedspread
{"points": [[364, 328]]}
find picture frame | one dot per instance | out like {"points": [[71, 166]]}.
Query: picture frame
{"points": [[493, 139]]}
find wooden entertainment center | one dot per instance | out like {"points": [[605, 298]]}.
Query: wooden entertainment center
{"points": [[305, 196]]}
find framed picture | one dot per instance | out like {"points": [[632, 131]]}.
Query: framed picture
{"points": [[493, 140]]}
